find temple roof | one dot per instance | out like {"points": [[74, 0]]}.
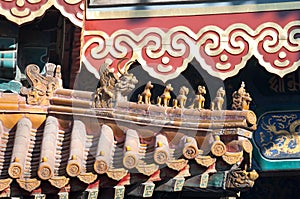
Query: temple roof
{"points": [[62, 139]]}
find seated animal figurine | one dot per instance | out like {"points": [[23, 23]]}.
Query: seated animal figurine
{"points": [[146, 94], [165, 97]]}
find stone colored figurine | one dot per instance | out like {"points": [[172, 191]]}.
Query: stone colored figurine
{"points": [[146, 94], [217, 103], [241, 99], [240, 179], [181, 98], [199, 98], [164, 99], [105, 92], [125, 84], [112, 89]]}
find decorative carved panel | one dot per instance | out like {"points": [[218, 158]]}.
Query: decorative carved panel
{"points": [[23, 11], [29, 184], [221, 44], [59, 181], [4, 183]]}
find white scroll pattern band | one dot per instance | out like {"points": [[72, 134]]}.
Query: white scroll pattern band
{"points": [[164, 54], [23, 11]]}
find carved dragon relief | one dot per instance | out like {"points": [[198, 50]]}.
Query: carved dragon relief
{"points": [[42, 86], [238, 179]]}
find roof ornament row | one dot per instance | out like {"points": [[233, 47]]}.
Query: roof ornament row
{"points": [[241, 99], [135, 138], [113, 89]]}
